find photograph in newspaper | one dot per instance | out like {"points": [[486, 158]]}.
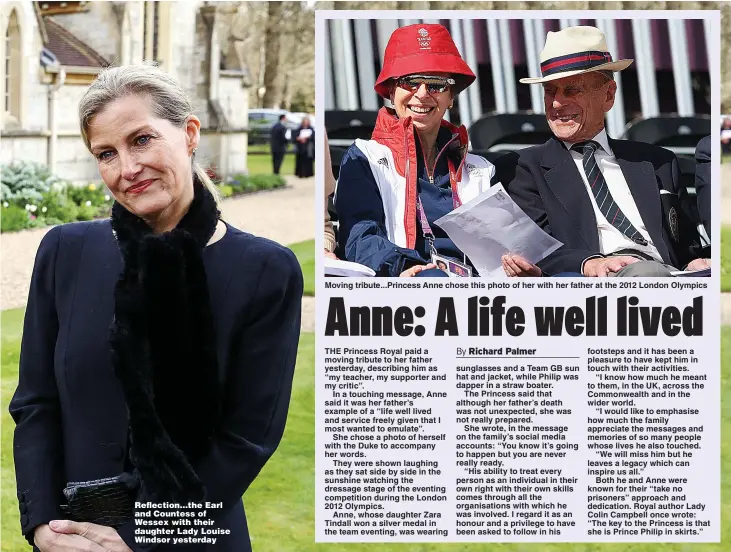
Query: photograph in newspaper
{"points": [[568, 171], [501, 144]]}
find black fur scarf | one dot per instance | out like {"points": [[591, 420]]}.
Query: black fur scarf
{"points": [[164, 348]]}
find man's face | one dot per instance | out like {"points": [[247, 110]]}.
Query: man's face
{"points": [[575, 106]]}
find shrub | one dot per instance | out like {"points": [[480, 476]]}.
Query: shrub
{"points": [[247, 186], [35, 198], [86, 212], [238, 182], [92, 192], [14, 218], [23, 182], [266, 181], [226, 190], [58, 206]]}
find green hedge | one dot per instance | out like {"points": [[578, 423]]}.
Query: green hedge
{"points": [[246, 184], [32, 198]]}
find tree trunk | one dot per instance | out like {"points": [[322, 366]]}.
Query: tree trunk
{"points": [[725, 75], [272, 40]]}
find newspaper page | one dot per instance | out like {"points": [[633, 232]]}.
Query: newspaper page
{"points": [[536, 409]]}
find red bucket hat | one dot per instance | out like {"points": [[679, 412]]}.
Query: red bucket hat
{"points": [[422, 48]]}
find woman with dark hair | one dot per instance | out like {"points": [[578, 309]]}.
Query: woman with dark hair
{"points": [[159, 346], [305, 149], [415, 168]]}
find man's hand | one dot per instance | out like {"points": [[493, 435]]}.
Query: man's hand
{"points": [[414, 270], [698, 264], [603, 266], [330, 254], [93, 537], [515, 265]]}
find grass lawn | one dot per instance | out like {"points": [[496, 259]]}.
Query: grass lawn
{"points": [[305, 252], [261, 163], [280, 503], [726, 258], [259, 148]]}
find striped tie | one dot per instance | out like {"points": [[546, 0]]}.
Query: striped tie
{"points": [[602, 195]]}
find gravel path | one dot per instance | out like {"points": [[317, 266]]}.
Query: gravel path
{"points": [[286, 216]]}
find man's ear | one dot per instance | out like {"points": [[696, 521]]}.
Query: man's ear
{"points": [[193, 132]]}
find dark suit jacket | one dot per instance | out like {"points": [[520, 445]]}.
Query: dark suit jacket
{"points": [[69, 407], [278, 139], [703, 181], [549, 188]]}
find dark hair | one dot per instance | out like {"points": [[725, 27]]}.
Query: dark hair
{"points": [[282, 117]]}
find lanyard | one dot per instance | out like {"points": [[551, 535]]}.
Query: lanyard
{"points": [[425, 227]]}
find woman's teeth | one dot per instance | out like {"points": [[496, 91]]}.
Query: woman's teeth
{"points": [[420, 110]]}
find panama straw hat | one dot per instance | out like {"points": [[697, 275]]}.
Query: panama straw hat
{"points": [[422, 48], [573, 51]]}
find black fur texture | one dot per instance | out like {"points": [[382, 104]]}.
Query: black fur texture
{"points": [[164, 348]]}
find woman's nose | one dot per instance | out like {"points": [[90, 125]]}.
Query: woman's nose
{"points": [[130, 166], [421, 92]]}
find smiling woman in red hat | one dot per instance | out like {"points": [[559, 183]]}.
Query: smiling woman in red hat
{"points": [[415, 168]]}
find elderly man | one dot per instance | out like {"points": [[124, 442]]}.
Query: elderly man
{"points": [[613, 203]]}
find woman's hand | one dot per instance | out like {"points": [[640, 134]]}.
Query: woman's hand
{"points": [[65, 535], [515, 265], [330, 254], [47, 540], [414, 270]]}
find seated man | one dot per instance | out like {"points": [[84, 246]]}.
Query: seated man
{"points": [[613, 203]]}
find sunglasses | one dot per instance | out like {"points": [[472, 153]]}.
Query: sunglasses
{"points": [[434, 85]]}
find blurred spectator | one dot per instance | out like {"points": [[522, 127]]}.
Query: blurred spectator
{"points": [[305, 148], [278, 143], [726, 135]]}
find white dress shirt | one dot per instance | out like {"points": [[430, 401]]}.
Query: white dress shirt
{"points": [[611, 239]]}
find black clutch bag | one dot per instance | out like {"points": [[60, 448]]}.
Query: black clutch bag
{"points": [[109, 501]]}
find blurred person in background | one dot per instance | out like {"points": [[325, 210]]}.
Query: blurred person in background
{"points": [[415, 168], [305, 150], [158, 347], [278, 142], [726, 135]]}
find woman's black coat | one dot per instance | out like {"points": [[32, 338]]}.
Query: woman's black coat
{"points": [[69, 407]]}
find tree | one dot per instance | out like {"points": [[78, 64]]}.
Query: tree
{"points": [[272, 42]]}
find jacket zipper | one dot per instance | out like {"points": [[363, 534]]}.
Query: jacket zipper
{"points": [[430, 174]]}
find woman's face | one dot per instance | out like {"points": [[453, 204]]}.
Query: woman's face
{"points": [[144, 161], [426, 110]]}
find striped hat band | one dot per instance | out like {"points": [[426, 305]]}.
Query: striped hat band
{"points": [[571, 62]]}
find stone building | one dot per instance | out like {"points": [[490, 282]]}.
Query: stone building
{"points": [[53, 50]]}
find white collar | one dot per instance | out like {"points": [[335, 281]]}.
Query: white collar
{"points": [[600, 139]]}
